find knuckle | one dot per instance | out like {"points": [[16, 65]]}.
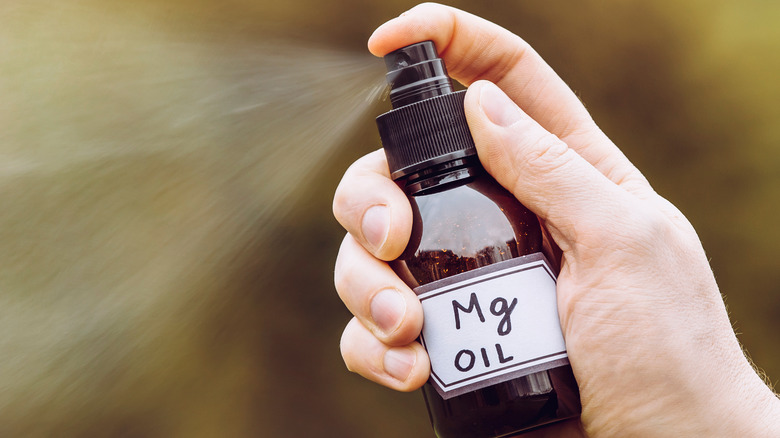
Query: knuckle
{"points": [[339, 202], [344, 198], [542, 156], [635, 230], [341, 196], [344, 271], [344, 205], [352, 344], [347, 346], [649, 227], [547, 153]]}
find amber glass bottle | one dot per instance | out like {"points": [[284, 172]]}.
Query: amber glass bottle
{"points": [[475, 258]]}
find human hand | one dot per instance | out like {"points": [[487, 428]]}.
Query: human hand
{"points": [[646, 330]]}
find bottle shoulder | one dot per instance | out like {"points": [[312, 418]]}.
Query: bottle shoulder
{"points": [[464, 219], [469, 225]]}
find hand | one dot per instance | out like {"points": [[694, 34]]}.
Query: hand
{"points": [[646, 330]]}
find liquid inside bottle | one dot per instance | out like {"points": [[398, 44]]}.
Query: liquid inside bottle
{"points": [[464, 220]]}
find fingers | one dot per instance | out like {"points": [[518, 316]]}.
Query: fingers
{"points": [[403, 368], [372, 208], [577, 202], [379, 342], [376, 296], [475, 49]]}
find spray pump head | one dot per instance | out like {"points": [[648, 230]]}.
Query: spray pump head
{"points": [[416, 73], [427, 125]]}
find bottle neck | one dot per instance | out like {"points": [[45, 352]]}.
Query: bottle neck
{"points": [[442, 176]]}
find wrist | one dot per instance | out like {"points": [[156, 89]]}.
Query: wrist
{"points": [[723, 396], [762, 420], [748, 408]]}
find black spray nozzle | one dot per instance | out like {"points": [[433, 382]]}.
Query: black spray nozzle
{"points": [[416, 73], [433, 130]]}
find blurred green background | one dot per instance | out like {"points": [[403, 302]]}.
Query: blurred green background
{"points": [[167, 169]]}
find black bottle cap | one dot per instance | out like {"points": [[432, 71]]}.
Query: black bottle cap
{"points": [[427, 124]]}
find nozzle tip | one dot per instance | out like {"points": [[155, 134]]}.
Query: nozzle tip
{"points": [[415, 73], [410, 55]]}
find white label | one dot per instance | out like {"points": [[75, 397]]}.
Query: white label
{"points": [[492, 324]]}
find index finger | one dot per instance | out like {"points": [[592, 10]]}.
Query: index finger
{"points": [[475, 49]]}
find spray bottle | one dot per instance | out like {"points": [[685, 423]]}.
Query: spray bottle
{"points": [[476, 261]]}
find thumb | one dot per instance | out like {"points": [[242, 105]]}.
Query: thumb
{"points": [[542, 172]]}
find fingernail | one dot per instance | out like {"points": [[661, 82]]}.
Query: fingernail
{"points": [[497, 106], [387, 309], [399, 362], [376, 224]]}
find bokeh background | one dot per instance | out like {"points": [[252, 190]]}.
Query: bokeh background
{"points": [[167, 169]]}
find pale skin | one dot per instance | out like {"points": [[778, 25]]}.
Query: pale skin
{"points": [[646, 328]]}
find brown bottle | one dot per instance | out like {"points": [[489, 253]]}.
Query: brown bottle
{"points": [[475, 259]]}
